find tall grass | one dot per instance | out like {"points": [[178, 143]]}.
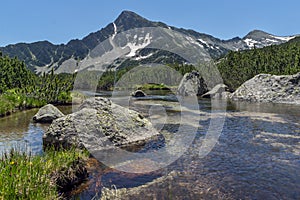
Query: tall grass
{"points": [[24, 176], [12, 101]]}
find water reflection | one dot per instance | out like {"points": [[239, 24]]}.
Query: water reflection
{"points": [[18, 131]]}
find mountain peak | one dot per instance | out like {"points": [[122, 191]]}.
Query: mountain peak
{"points": [[257, 34], [129, 14], [44, 56], [258, 38], [129, 20]]}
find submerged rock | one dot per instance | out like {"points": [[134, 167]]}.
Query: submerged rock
{"points": [[98, 124], [219, 91], [139, 93], [47, 114], [192, 84], [170, 186], [270, 88]]}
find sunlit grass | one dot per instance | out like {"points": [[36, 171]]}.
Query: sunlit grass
{"points": [[10, 102], [152, 86], [23, 176]]}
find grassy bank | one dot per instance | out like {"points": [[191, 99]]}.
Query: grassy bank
{"points": [[24, 176], [153, 86], [13, 100]]}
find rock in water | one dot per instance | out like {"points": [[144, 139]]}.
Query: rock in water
{"points": [[139, 93], [270, 88], [192, 84], [98, 124], [219, 91], [47, 114]]}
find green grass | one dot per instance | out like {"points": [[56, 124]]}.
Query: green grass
{"points": [[24, 176], [153, 86], [12, 100]]}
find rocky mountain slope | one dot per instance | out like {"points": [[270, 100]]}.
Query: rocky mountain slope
{"points": [[44, 56]]}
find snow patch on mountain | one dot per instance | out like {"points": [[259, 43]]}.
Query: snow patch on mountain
{"points": [[250, 42], [135, 46], [286, 39], [143, 57], [115, 30], [202, 41], [271, 40], [192, 41]]}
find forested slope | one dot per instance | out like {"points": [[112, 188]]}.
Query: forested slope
{"points": [[20, 88], [238, 67]]}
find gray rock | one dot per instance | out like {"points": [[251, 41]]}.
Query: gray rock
{"points": [[192, 84], [270, 88], [47, 114], [139, 93], [100, 124], [224, 95], [219, 91]]}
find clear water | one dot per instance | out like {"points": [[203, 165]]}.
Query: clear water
{"points": [[18, 131], [257, 155]]}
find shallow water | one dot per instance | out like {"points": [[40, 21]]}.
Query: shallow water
{"points": [[257, 155], [18, 131]]}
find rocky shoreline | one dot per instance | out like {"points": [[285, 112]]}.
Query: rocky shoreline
{"points": [[264, 88]]}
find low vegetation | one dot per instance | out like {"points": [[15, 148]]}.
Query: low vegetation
{"points": [[24, 176], [20, 88], [152, 75], [153, 86]]}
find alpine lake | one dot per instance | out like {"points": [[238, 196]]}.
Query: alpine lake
{"points": [[256, 156]]}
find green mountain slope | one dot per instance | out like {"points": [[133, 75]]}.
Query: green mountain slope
{"points": [[20, 88]]}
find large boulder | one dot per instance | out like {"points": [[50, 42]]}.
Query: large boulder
{"points": [[99, 124], [47, 114], [270, 88], [219, 91], [192, 84]]}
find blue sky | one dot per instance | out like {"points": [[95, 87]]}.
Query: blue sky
{"points": [[58, 21]]}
